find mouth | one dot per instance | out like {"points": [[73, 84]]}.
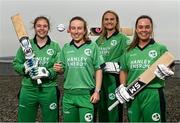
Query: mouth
{"points": [[144, 34]]}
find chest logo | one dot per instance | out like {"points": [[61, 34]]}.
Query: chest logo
{"points": [[152, 53], [50, 52], [87, 52], [113, 42]]}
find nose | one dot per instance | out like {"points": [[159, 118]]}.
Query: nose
{"points": [[76, 30], [144, 29]]}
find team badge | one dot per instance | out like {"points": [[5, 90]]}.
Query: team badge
{"points": [[88, 117], [50, 52], [113, 42], [53, 106], [111, 96], [152, 53], [87, 52], [156, 117]]}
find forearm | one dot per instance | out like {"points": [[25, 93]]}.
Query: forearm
{"points": [[123, 77], [52, 73], [98, 79]]}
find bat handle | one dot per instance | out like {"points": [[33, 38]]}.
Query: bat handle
{"points": [[39, 81], [113, 105]]}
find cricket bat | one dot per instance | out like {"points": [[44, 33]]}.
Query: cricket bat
{"points": [[23, 38], [146, 77], [96, 31]]}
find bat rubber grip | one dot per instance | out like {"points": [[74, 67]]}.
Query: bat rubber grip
{"points": [[39, 81], [113, 105]]}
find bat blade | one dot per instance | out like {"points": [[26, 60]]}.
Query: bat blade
{"points": [[19, 26]]}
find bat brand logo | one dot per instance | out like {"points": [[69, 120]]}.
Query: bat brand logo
{"points": [[50, 52], [88, 117], [135, 87]]}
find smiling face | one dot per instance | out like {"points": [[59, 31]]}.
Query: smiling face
{"points": [[144, 29], [77, 30], [41, 28], [109, 21]]}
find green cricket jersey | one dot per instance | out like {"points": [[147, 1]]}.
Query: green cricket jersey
{"points": [[137, 60], [113, 47], [80, 64], [47, 56]]}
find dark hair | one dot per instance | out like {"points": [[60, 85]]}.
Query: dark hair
{"points": [[135, 40], [104, 32], [39, 18], [86, 38]]}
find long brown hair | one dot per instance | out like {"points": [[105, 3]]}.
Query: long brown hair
{"points": [[104, 31], [135, 40], [86, 38]]}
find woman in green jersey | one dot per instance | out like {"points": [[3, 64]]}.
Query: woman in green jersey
{"points": [[80, 60], [32, 95], [149, 104], [112, 44]]}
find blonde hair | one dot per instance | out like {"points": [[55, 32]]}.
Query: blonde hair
{"points": [[104, 31]]}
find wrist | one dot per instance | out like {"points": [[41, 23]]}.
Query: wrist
{"points": [[97, 90]]}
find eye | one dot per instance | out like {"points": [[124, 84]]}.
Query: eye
{"points": [[112, 19], [72, 28], [147, 26], [140, 27], [80, 28], [38, 25], [106, 19], [45, 26]]}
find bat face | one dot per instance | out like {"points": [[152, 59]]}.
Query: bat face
{"points": [[19, 26], [22, 36]]}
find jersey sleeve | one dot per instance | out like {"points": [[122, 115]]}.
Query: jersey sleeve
{"points": [[123, 62], [18, 62], [124, 45], [163, 49], [51, 70], [98, 58], [61, 57]]}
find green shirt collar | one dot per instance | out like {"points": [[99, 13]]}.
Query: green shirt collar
{"points": [[115, 33], [87, 42], [47, 43], [150, 43]]}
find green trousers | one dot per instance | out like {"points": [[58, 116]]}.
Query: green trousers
{"points": [[107, 98], [147, 106], [31, 98], [77, 106]]}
